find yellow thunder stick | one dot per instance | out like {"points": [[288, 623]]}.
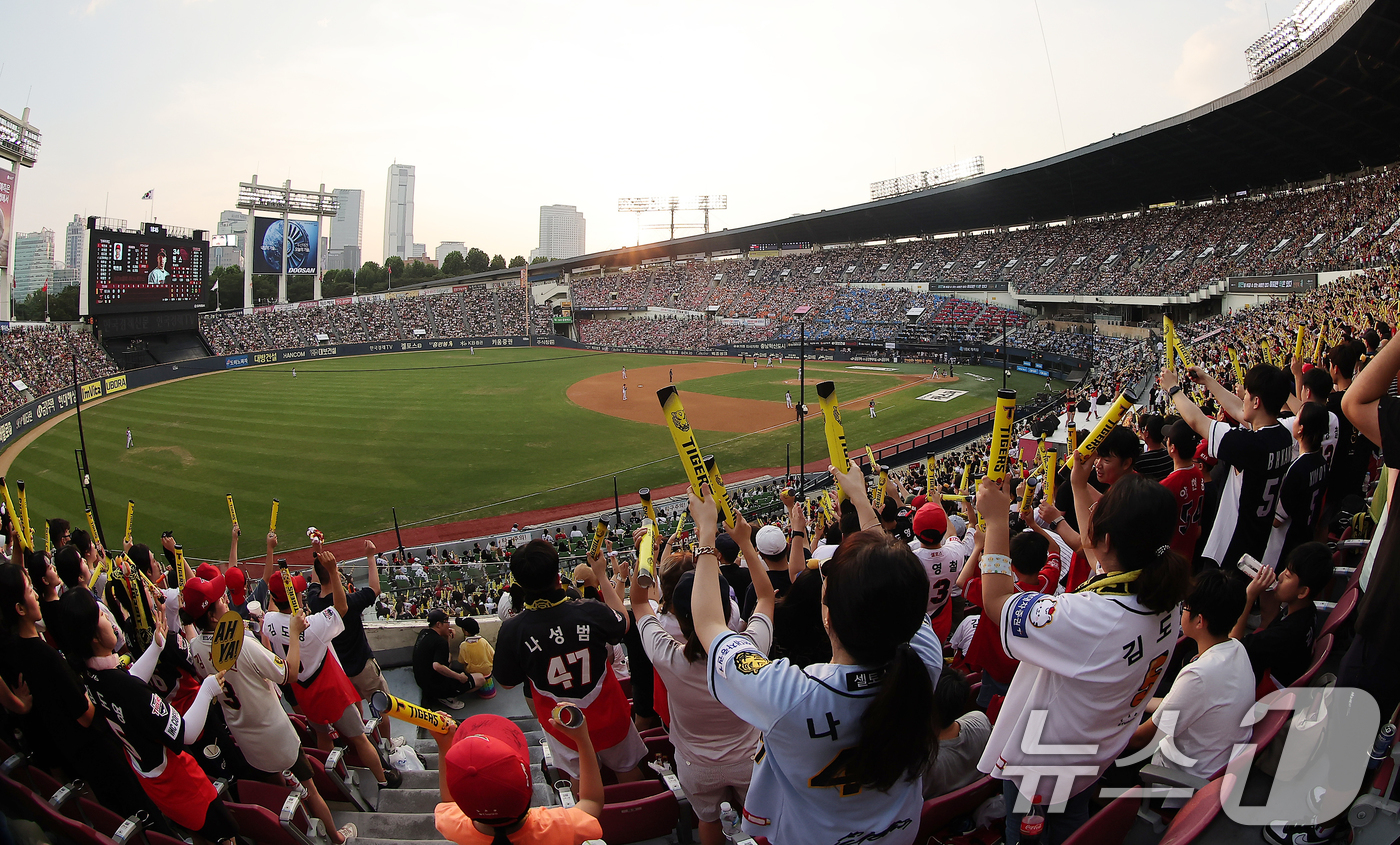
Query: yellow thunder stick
{"points": [[1321, 344], [272, 524], [955, 497], [293, 600], [1071, 436], [104, 565], [687, 448], [24, 513], [144, 633], [717, 488], [1235, 362], [999, 459], [1298, 345], [1181, 352], [1052, 460], [826, 508], [388, 705], [180, 566], [48, 539], [14, 515], [835, 431], [600, 533], [645, 495], [646, 556], [929, 478], [92, 525], [232, 513], [1167, 333], [130, 512], [967, 471], [1111, 417]]}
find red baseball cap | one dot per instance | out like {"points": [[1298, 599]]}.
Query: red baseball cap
{"points": [[207, 571], [237, 585], [488, 770], [919, 501], [278, 590], [199, 594], [931, 523]]}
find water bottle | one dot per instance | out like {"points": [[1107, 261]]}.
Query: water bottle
{"points": [[1032, 825], [729, 821]]}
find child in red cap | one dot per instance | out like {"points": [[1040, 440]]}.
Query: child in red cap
{"points": [[484, 779]]}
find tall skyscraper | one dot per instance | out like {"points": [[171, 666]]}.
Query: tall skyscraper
{"points": [[398, 212], [561, 232], [230, 223], [347, 230], [34, 254], [73, 243]]}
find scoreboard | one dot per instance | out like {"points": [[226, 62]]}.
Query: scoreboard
{"points": [[149, 270]]}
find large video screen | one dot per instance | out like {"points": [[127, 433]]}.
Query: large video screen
{"points": [[146, 271], [299, 242]]}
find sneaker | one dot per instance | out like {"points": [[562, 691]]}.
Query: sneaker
{"points": [[452, 704], [349, 831], [1305, 834], [392, 778], [397, 742]]}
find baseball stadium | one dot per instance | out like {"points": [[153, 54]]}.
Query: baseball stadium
{"points": [[1199, 311]]}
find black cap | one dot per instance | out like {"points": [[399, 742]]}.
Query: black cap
{"points": [[727, 547], [437, 615], [680, 599]]}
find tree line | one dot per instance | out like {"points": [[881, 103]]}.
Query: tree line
{"points": [[372, 277]]}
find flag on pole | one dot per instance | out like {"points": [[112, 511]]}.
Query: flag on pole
{"points": [[149, 195]]}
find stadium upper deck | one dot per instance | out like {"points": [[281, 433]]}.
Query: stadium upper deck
{"points": [[1333, 109]]}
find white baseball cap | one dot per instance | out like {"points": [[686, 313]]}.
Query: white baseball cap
{"points": [[771, 540]]}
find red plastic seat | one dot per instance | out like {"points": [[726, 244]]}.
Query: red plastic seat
{"points": [[1345, 606], [17, 798], [939, 812], [1322, 649], [637, 811], [1108, 826], [1197, 814]]}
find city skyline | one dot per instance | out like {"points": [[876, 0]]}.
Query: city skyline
{"points": [[749, 130]]}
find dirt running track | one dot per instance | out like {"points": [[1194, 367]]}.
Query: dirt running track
{"points": [[707, 412]]}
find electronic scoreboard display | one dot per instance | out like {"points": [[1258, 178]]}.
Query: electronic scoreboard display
{"points": [[150, 270]]}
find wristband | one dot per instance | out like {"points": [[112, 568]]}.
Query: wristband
{"points": [[1173, 390], [799, 533], [995, 564], [706, 550], [1056, 523]]}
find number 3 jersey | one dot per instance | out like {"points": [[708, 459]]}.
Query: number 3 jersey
{"points": [[810, 718], [251, 703], [1090, 662], [561, 647]]}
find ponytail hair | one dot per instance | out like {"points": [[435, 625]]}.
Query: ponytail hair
{"points": [[876, 595], [1139, 518]]}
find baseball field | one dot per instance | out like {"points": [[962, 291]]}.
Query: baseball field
{"points": [[446, 436]]}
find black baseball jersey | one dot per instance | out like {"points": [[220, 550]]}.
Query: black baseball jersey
{"points": [[141, 719], [1299, 505], [561, 647], [1258, 461]]}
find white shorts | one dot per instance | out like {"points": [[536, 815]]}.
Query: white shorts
{"points": [[708, 786], [620, 758]]}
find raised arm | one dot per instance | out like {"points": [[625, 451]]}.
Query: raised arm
{"points": [[762, 584], [1229, 402], [1084, 504], [797, 560], [998, 582], [372, 561], [705, 607], [233, 548], [338, 597], [606, 589], [1361, 401], [853, 485], [1193, 415], [270, 564]]}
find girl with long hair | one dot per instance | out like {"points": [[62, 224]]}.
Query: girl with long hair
{"points": [[1091, 659], [845, 743]]}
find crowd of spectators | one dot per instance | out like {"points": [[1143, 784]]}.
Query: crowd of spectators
{"points": [[41, 358]]}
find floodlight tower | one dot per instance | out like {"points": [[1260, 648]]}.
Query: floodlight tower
{"points": [[642, 205], [285, 201], [19, 145]]}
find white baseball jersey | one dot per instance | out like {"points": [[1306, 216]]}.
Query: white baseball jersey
{"points": [[942, 564], [321, 628], [1090, 662], [254, 709], [810, 720]]}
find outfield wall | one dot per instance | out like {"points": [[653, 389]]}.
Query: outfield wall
{"points": [[14, 424]]}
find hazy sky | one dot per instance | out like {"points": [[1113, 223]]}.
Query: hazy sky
{"points": [[503, 107]]}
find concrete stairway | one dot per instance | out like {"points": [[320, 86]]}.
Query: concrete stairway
{"points": [[406, 814]]}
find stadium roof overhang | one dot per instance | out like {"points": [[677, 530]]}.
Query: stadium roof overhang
{"points": [[1333, 109]]}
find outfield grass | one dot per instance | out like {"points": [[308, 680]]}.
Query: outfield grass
{"points": [[442, 436]]}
